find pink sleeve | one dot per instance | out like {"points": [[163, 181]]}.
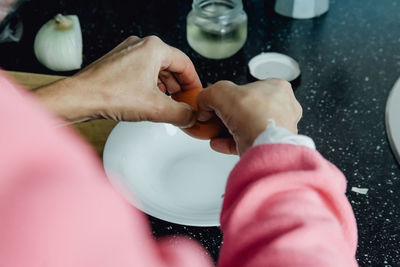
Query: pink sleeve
{"points": [[56, 206], [285, 205]]}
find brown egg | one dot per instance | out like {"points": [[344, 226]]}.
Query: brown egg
{"points": [[200, 130]]}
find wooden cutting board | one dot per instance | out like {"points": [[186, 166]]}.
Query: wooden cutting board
{"points": [[96, 132]]}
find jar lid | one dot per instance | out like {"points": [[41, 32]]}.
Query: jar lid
{"points": [[274, 65]]}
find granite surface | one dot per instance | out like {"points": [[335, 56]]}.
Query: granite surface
{"points": [[349, 57]]}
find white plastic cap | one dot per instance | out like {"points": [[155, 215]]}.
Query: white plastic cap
{"points": [[301, 9], [274, 65]]}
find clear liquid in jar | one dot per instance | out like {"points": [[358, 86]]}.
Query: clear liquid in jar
{"points": [[216, 41]]}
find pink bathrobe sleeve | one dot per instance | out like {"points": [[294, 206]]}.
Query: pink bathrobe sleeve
{"points": [[284, 206]]}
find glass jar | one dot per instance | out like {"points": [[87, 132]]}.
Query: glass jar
{"points": [[216, 28]]}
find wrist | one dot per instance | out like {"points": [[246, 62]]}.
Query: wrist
{"points": [[274, 134], [67, 99]]}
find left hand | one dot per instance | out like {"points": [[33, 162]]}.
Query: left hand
{"points": [[129, 83]]}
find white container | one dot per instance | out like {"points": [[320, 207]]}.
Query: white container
{"points": [[301, 9]]}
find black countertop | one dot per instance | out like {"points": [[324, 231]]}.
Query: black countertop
{"points": [[349, 57]]}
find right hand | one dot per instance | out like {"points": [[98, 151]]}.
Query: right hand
{"points": [[246, 110]]}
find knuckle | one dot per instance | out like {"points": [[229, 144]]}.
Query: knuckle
{"points": [[151, 47], [224, 90], [280, 83], [132, 38], [152, 40], [225, 83]]}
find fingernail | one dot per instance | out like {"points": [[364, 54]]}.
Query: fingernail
{"points": [[203, 116], [192, 122], [193, 118]]}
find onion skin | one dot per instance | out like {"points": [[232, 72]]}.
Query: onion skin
{"points": [[201, 130]]}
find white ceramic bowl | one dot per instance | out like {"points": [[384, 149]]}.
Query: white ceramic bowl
{"points": [[166, 173], [392, 119]]}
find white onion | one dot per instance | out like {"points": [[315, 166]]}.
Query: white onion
{"points": [[58, 43]]}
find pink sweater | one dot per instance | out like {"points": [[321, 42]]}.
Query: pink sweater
{"points": [[284, 205]]}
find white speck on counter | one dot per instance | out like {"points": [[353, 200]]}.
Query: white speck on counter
{"points": [[363, 191]]}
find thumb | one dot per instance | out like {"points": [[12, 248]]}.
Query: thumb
{"points": [[224, 145], [171, 111]]}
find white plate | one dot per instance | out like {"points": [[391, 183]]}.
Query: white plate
{"points": [[392, 119], [274, 65], [166, 173]]}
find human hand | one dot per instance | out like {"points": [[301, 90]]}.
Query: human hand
{"points": [[128, 83], [246, 110]]}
